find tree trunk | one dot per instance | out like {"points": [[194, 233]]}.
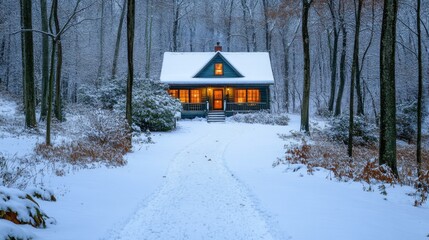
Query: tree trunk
{"points": [[118, 40], [175, 25], [101, 49], [130, 51], [30, 106], [229, 25], [58, 108], [148, 37], [21, 5], [334, 54], [342, 66], [45, 60], [355, 70], [286, 72], [50, 91], [305, 107], [387, 154], [420, 91], [266, 10], [360, 105]]}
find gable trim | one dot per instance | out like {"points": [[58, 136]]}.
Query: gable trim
{"points": [[211, 61]]}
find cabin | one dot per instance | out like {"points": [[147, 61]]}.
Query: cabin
{"points": [[218, 83]]}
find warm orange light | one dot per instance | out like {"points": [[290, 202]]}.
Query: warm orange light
{"points": [[218, 69]]}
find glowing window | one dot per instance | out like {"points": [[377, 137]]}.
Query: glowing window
{"points": [[174, 93], [218, 69], [184, 96], [253, 95], [195, 96], [240, 95]]}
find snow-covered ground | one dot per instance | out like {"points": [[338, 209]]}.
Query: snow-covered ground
{"points": [[216, 181]]}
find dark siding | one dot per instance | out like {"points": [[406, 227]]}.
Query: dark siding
{"points": [[208, 70]]}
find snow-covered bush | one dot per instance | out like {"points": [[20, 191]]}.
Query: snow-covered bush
{"points": [[364, 132], [406, 120], [20, 208], [15, 172], [262, 117], [153, 107], [110, 93], [105, 139]]}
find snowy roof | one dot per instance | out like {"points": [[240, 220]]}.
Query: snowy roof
{"points": [[181, 68]]}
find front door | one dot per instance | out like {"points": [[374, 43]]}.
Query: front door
{"points": [[218, 99]]}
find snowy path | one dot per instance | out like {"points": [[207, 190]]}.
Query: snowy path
{"points": [[200, 199]]}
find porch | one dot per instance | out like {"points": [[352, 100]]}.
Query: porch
{"points": [[192, 110], [198, 101]]}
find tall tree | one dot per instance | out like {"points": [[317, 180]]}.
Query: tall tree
{"points": [[148, 36], [342, 62], [420, 89], [118, 39], [387, 154], [305, 108], [58, 106], [353, 79], [130, 51], [334, 53], [45, 60], [101, 47], [30, 103]]}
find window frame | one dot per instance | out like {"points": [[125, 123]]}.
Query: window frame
{"points": [[218, 71]]}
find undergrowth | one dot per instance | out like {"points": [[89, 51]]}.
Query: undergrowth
{"points": [[106, 140], [363, 166]]}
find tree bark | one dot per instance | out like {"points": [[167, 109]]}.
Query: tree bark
{"points": [[101, 49], [175, 24], [305, 107], [45, 60], [353, 78], [58, 111], [148, 37], [387, 154], [30, 106], [334, 54], [50, 92], [342, 66], [130, 51], [420, 91], [118, 40]]}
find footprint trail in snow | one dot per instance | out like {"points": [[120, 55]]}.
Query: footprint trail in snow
{"points": [[199, 200]]}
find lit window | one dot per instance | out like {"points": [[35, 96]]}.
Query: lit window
{"points": [[174, 93], [218, 69], [184, 96], [240, 95], [253, 95], [195, 96]]}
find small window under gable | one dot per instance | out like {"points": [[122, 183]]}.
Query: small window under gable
{"points": [[218, 69]]}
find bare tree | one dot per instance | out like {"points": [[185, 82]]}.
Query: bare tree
{"points": [[30, 102], [420, 90], [342, 62], [118, 39], [130, 51], [45, 60], [334, 53], [305, 108], [354, 76], [387, 154]]}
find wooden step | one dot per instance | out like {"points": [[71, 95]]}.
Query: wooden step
{"points": [[216, 116]]}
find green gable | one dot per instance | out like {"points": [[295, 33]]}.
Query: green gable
{"points": [[208, 71]]}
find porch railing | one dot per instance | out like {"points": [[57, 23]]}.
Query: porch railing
{"points": [[194, 106], [243, 107]]}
